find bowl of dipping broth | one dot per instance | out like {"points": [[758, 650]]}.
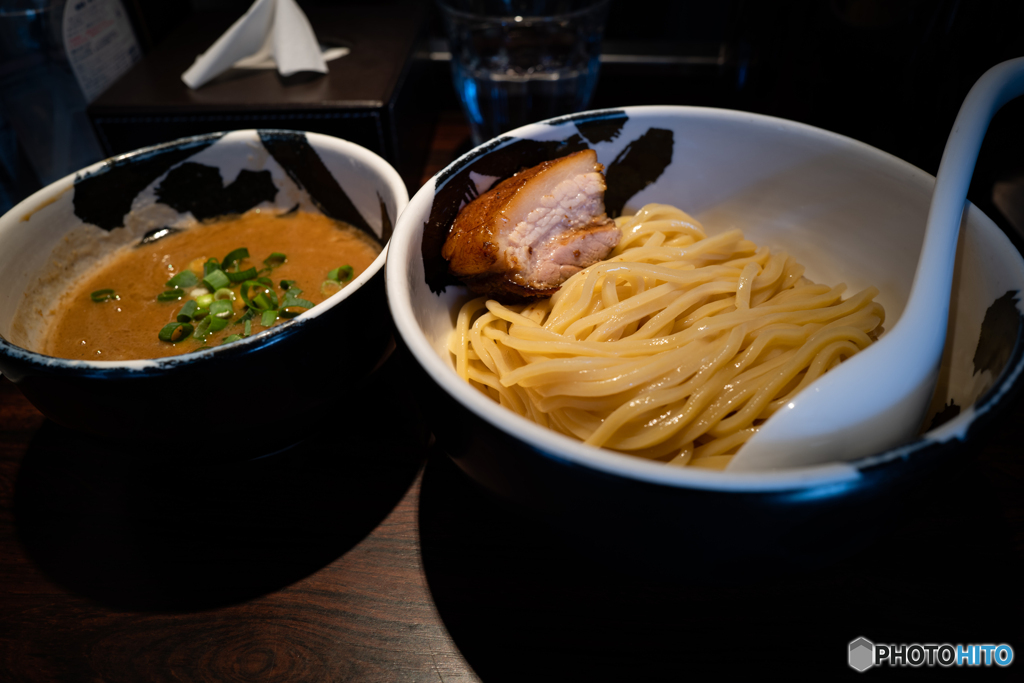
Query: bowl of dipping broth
{"points": [[575, 407], [235, 276]]}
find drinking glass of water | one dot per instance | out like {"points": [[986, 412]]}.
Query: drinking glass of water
{"points": [[519, 61]]}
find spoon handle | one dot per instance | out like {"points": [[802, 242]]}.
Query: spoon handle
{"points": [[934, 276]]}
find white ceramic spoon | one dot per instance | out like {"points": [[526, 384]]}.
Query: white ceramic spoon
{"points": [[877, 399]]}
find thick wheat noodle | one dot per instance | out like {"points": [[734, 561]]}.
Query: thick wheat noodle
{"points": [[544, 341], [676, 348]]}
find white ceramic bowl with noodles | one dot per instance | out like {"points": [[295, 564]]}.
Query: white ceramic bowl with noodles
{"points": [[272, 381], [848, 212]]}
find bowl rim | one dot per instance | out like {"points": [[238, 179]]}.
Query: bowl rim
{"points": [[828, 478], [147, 366]]}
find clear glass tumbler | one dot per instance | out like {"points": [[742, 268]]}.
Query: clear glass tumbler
{"points": [[519, 61]]}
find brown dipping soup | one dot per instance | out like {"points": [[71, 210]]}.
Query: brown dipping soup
{"points": [[127, 327]]}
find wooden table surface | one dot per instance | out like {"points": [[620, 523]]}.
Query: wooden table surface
{"points": [[366, 555]]}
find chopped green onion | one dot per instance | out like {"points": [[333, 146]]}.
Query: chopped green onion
{"points": [[287, 284], [216, 280], [274, 260], [202, 328], [329, 287], [231, 338], [171, 295], [264, 303], [174, 332], [205, 300], [187, 311], [185, 278], [269, 318], [244, 292], [222, 309], [291, 298], [209, 325], [235, 257], [248, 325], [224, 294], [341, 274], [101, 295], [210, 266], [201, 312], [266, 282], [266, 299], [242, 276]]}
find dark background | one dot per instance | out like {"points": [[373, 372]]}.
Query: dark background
{"points": [[891, 73], [328, 560]]}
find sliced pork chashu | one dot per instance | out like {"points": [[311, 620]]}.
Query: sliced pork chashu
{"points": [[527, 235]]}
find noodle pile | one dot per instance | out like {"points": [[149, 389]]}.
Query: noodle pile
{"points": [[675, 348]]}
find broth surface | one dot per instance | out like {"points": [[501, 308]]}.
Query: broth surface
{"points": [[128, 327]]}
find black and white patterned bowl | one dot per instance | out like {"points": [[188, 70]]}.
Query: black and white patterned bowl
{"points": [[275, 377], [847, 211]]}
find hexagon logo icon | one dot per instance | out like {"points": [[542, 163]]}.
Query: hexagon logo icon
{"points": [[862, 654]]}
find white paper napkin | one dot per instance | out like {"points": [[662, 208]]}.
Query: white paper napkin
{"points": [[274, 30]]}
